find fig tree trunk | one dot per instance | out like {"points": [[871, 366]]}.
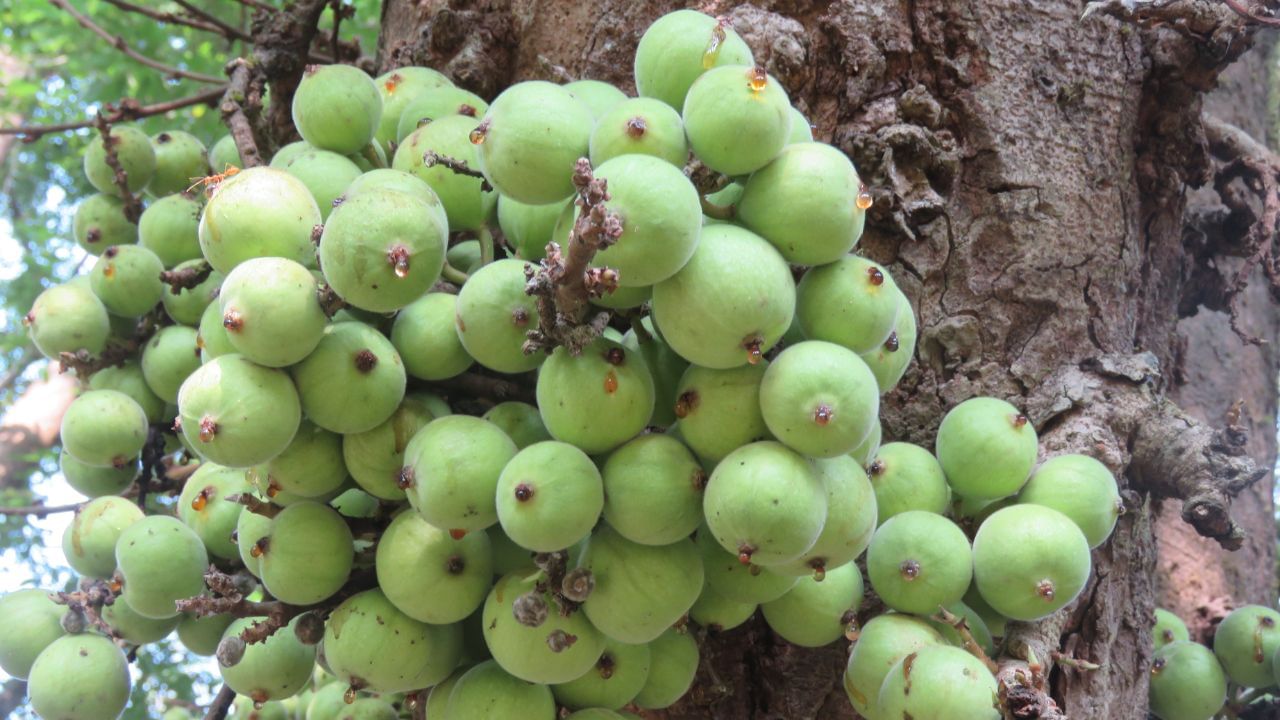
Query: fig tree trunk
{"points": [[1083, 228]]}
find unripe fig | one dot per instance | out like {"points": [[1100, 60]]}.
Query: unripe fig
{"points": [[819, 398], [104, 428], [1245, 643], [67, 318], [640, 590], [530, 139], [224, 154], [424, 336], [679, 47], [260, 212], [973, 621], [398, 180], [939, 682], [161, 562], [765, 503], [32, 621], [919, 560], [665, 366], [211, 335], [598, 399], [465, 202], [181, 159], [251, 528], [326, 174], [1081, 488], [130, 379], [907, 477], [276, 668], [817, 612], [617, 678], [434, 104], [995, 621], [890, 360], [100, 223], [850, 521], [187, 305], [247, 709], [89, 542], [375, 457], [400, 88], [337, 107], [94, 482], [200, 635], [311, 467], [867, 449], [134, 628], [735, 582], [597, 95], [452, 467], [1029, 561], [493, 316], [549, 496], [801, 130], [1187, 682], [986, 447], [884, 640], [1169, 628], [206, 506], [624, 299], [560, 649], [488, 692], [673, 662], [307, 554], [80, 677], [520, 421], [270, 311], [737, 118], [133, 151], [718, 613], [719, 410], [353, 381], [852, 302], [168, 359], [640, 126], [368, 643], [237, 413], [126, 279], [414, 557], [653, 490], [528, 227]]}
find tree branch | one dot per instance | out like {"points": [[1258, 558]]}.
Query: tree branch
{"points": [[39, 510], [431, 158], [126, 109], [221, 704], [119, 43], [187, 278], [1244, 12], [132, 203], [168, 17], [240, 106]]}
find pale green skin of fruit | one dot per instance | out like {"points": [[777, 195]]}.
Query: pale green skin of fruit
{"points": [[734, 581], [597, 95], [801, 130], [624, 298], [100, 223], [653, 490], [805, 203], [672, 54], [360, 234], [176, 713], [392, 179], [456, 461], [32, 622], [566, 502], [493, 316], [884, 640], [134, 152], [937, 546], [1168, 628], [336, 394], [94, 482], [370, 157], [104, 428], [327, 702], [665, 366], [465, 203], [277, 668], [135, 628], [367, 638], [355, 503], [977, 627], [211, 336], [424, 335], [400, 88], [288, 153], [80, 677], [508, 557], [907, 477], [181, 160], [640, 126], [310, 467], [721, 409], [435, 104], [673, 662], [126, 279], [766, 500], [732, 127], [326, 174], [250, 528], [641, 590], [1021, 546], [520, 421], [255, 409], [130, 379], [1081, 488], [487, 692], [942, 683], [217, 520], [735, 288], [661, 219], [1191, 684], [68, 318], [813, 613], [368, 709], [275, 301], [168, 359], [537, 131], [309, 554], [528, 227], [629, 667], [523, 651], [200, 635], [259, 212], [374, 457], [983, 450], [840, 304], [589, 402], [269, 711], [719, 613], [338, 108], [89, 542], [414, 561], [224, 154], [890, 365], [809, 377], [851, 517], [162, 561], [1237, 640], [464, 256], [188, 305], [995, 621], [867, 449]]}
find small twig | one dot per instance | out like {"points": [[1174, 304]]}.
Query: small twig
{"points": [[221, 704], [431, 158], [453, 274], [1072, 662], [230, 31], [39, 510], [119, 43], [240, 105], [132, 204], [485, 236], [254, 505], [126, 109], [1244, 12], [719, 212], [962, 627], [85, 365], [187, 278]]}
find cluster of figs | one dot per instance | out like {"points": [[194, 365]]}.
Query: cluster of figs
{"points": [[715, 451]]}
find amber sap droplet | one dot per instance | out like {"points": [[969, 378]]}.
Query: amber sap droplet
{"points": [[109, 271], [1045, 590], [1157, 666], [349, 696], [391, 83], [712, 53], [208, 429], [232, 321], [910, 570], [29, 319], [273, 488], [744, 554], [457, 533], [524, 493], [477, 135], [823, 414], [202, 498], [758, 79], [611, 382], [398, 257], [1019, 420], [686, 403], [819, 569], [259, 548], [636, 127], [404, 478], [874, 276], [754, 353], [864, 200]]}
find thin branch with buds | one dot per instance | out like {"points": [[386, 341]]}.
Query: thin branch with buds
{"points": [[120, 44], [125, 110]]}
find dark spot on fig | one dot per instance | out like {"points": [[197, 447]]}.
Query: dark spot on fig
{"points": [[365, 360]]}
